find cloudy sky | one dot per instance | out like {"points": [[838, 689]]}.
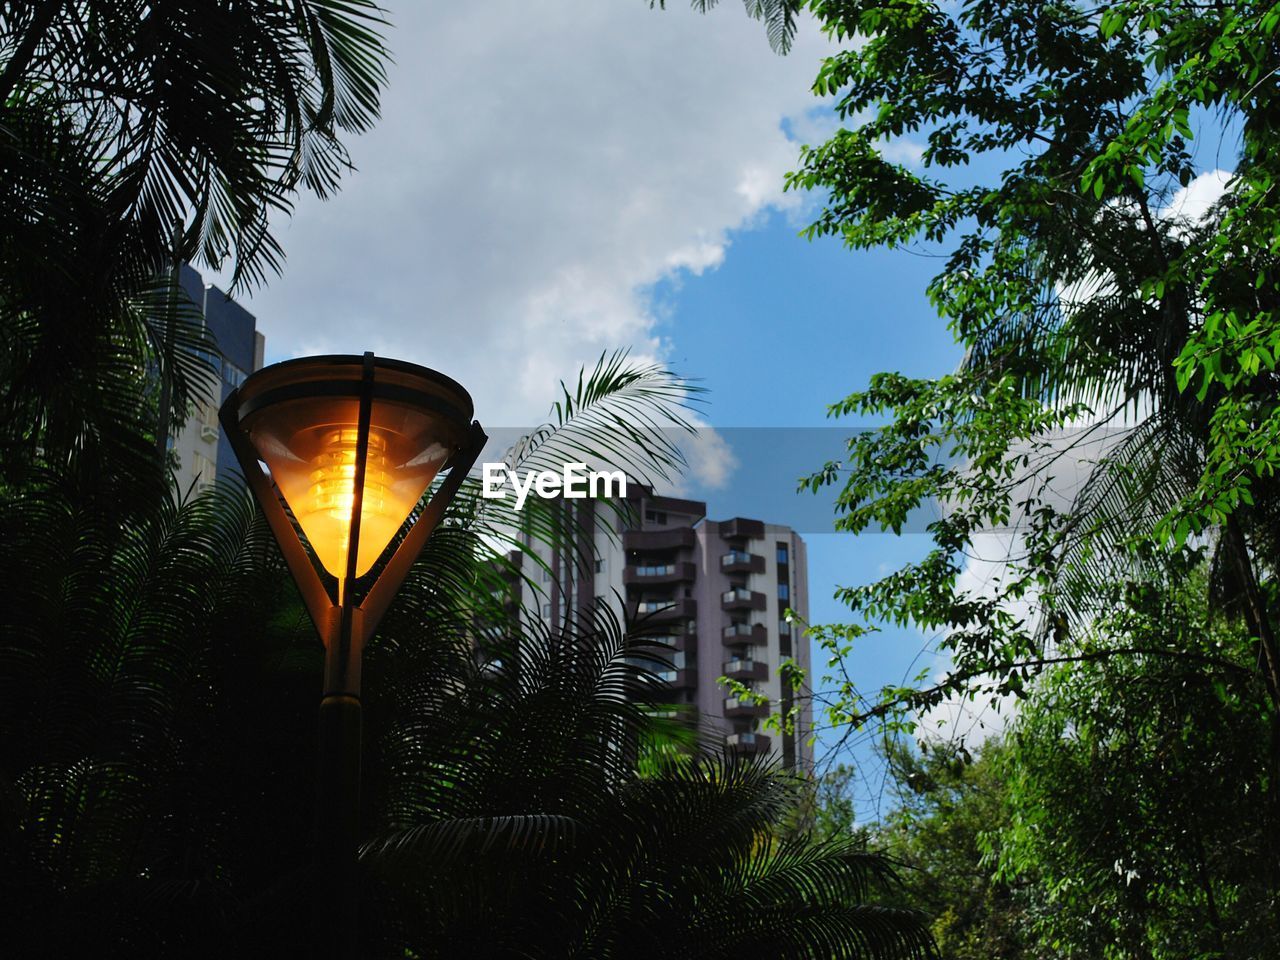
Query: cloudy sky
{"points": [[552, 180], [538, 168]]}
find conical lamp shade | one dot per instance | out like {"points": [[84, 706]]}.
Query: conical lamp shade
{"points": [[302, 418]]}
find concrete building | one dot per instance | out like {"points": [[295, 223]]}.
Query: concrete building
{"points": [[716, 591], [202, 452]]}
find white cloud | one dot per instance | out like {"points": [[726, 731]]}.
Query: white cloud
{"points": [[905, 151], [537, 167], [816, 125], [1194, 200], [697, 257], [960, 719], [711, 461], [1061, 465]]}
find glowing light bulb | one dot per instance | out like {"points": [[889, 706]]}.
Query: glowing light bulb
{"points": [[334, 475], [330, 499]]}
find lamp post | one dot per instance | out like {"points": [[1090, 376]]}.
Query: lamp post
{"points": [[350, 445]]}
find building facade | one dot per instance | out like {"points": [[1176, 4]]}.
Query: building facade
{"points": [[202, 452], [715, 591]]}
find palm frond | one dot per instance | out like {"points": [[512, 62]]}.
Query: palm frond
{"points": [[619, 415], [444, 844], [1136, 482], [780, 17]]}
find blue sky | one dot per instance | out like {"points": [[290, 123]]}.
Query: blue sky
{"points": [[810, 322]]}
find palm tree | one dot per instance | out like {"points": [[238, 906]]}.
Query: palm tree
{"points": [[554, 847], [138, 136], [1095, 341], [157, 676]]}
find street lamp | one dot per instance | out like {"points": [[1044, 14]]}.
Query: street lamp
{"points": [[348, 446]]}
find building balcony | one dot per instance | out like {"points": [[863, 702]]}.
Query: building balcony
{"points": [[664, 640], [744, 709], [645, 541], [747, 742], [740, 528], [745, 668], [740, 598], [739, 561], [738, 633], [685, 678], [682, 571], [665, 610]]}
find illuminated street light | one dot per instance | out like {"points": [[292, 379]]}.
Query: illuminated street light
{"points": [[347, 446]]}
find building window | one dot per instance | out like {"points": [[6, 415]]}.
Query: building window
{"points": [[655, 570], [546, 609], [655, 606], [655, 516], [546, 574], [599, 565], [784, 592], [208, 420], [231, 374], [782, 554], [202, 467]]}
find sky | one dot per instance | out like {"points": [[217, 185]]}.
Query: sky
{"points": [[550, 181]]}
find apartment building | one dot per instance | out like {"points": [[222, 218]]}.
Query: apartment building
{"points": [[715, 591], [202, 452]]}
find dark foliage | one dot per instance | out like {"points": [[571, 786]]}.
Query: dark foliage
{"points": [[134, 137], [157, 687]]}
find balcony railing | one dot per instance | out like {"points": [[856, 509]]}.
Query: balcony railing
{"points": [[681, 609], [736, 707], [644, 574], [748, 742], [659, 570], [739, 561], [745, 668], [740, 598], [675, 538], [741, 527], [656, 606], [663, 640], [684, 678], [738, 633]]}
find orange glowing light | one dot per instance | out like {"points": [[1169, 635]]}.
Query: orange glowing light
{"points": [[308, 439]]}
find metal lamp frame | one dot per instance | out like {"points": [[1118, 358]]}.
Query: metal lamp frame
{"points": [[344, 627]]}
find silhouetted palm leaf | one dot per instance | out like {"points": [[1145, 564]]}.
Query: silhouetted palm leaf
{"points": [[134, 137]]}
